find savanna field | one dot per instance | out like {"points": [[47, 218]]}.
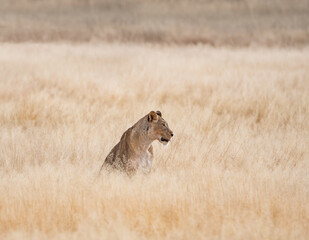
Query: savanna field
{"points": [[237, 167]]}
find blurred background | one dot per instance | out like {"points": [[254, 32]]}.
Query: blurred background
{"points": [[235, 23]]}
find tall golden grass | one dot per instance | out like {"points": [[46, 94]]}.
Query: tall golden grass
{"points": [[237, 168]]}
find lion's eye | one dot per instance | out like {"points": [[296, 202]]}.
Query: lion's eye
{"points": [[163, 124]]}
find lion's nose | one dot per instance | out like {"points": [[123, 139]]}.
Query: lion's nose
{"points": [[172, 134]]}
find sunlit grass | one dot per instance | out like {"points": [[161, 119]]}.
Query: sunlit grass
{"points": [[237, 167]]}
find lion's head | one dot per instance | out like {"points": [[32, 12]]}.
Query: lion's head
{"points": [[158, 128]]}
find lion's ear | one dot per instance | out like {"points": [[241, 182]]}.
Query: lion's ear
{"points": [[159, 113], [152, 116]]}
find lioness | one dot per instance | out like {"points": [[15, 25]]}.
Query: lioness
{"points": [[134, 151]]}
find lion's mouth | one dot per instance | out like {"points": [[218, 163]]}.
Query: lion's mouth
{"points": [[164, 141]]}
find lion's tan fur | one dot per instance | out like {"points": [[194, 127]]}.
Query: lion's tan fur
{"points": [[134, 150]]}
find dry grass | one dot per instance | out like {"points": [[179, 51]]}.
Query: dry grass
{"points": [[237, 169], [217, 23]]}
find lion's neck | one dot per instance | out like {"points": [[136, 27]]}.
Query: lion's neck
{"points": [[139, 138], [141, 141]]}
